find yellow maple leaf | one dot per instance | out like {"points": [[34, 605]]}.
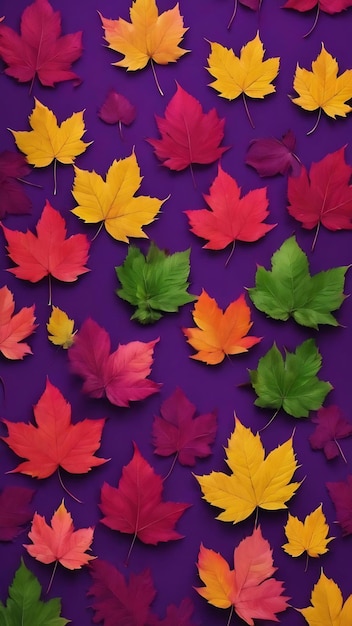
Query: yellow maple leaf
{"points": [[149, 36], [60, 328], [322, 88], [247, 74], [255, 482], [310, 536], [112, 202], [328, 608]]}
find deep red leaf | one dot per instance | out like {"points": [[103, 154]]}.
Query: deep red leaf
{"points": [[341, 495], [14, 327], [270, 156], [13, 200], [176, 615], [332, 425], [15, 511], [116, 108], [328, 6]]}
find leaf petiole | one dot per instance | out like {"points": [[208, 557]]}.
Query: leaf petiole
{"points": [[247, 109], [156, 78], [130, 549], [55, 177], [231, 252], [230, 616], [314, 23], [340, 450], [52, 577], [269, 422], [315, 236], [233, 14], [316, 123], [172, 466], [65, 488]]}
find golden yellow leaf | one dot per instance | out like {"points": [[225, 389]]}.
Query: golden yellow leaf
{"points": [[255, 481], [310, 536], [60, 328], [113, 202], [328, 608]]}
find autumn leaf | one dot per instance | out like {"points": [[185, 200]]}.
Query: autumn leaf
{"points": [[15, 511], [60, 328], [40, 50], [48, 141], [270, 156], [310, 536], [324, 195], [288, 290], [24, 606], [121, 375], [14, 327], [331, 425], [341, 494], [13, 200], [117, 109], [327, 607], [327, 6], [291, 384], [255, 481], [231, 218], [322, 89], [246, 75], [176, 615], [220, 333], [154, 283], [149, 36], [188, 135], [250, 588], [112, 202]]}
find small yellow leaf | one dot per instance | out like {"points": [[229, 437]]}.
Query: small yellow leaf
{"points": [[310, 536], [327, 607], [60, 328]]}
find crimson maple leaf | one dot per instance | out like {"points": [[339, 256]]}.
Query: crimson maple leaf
{"points": [[270, 156], [119, 375], [40, 50], [341, 495], [13, 166], [187, 134], [15, 511], [324, 196], [331, 426], [328, 6], [14, 327]]}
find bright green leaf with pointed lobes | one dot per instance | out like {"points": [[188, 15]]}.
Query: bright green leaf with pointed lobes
{"points": [[290, 384], [154, 283], [289, 289], [24, 606]]}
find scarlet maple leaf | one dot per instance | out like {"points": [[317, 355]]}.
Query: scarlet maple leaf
{"points": [[341, 495], [15, 511], [40, 50], [187, 134], [120, 375], [331, 426], [13, 167], [179, 432], [14, 327], [324, 196], [136, 506], [55, 442]]}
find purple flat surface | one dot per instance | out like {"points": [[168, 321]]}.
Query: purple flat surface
{"points": [[173, 564]]}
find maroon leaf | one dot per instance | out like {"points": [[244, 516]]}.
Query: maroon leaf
{"points": [[270, 156], [341, 495], [14, 511], [117, 109], [176, 615], [332, 425], [12, 198]]}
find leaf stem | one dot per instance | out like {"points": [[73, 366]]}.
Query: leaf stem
{"points": [[3, 388], [269, 422], [256, 517], [233, 14], [50, 290], [315, 237], [314, 23], [156, 78], [31, 85], [193, 178], [52, 577], [247, 109], [65, 488], [26, 182], [230, 616], [316, 123], [172, 466], [98, 231], [120, 130], [231, 252], [130, 549], [55, 177], [307, 561], [340, 450]]}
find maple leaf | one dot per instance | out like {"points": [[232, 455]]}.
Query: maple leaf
{"points": [[324, 196], [247, 74], [175, 615], [322, 88], [117, 109], [14, 327], [54, 441], [48, 141], [187, 134], [112, 202], [250, 587], [292, 384], [13, 200], [121, 375], [24, 605], [327, 607], [288, 290], [255, 481], [331, 426], [60, 328], [15, 511], [231, 217], [220, 333], [179, 432], [40, 50], [341, 495], [136, 507], [327, 6], [310, 536], [154, 283], [270, 156], [149, 36]]}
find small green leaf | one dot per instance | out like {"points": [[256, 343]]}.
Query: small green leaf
{"points": [[289, 289], [291, 384], [154, 284], [24, 607]]}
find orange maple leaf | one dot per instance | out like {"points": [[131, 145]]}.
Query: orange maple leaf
{"points": [[219, 332], [14, 327]]}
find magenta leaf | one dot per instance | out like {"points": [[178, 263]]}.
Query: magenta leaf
{"points": [[117, 109], [270, 156], [341, 495], [13, 200], [15, 511], [251, 4], [332, 425]]}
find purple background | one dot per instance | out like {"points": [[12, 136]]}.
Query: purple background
{"points": [[173, 564]]}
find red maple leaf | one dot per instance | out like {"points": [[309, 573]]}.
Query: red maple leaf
{"points": [[136, 506], [14, 327], [341, 495], [15, 511], [13, 166], [40, 50], [119, 375], [328, 6], [331, 426], [179, 432], [324, 196], [187, 134], [270, 156]]}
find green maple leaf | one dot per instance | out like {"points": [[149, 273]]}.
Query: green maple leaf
{"points": [[291, 384], [24, 607], [289, 289], [154, 283]]}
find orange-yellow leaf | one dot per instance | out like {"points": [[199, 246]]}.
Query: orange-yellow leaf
{"points": [[60, 328], [217, 577], [328, 608], [310, 536]]}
